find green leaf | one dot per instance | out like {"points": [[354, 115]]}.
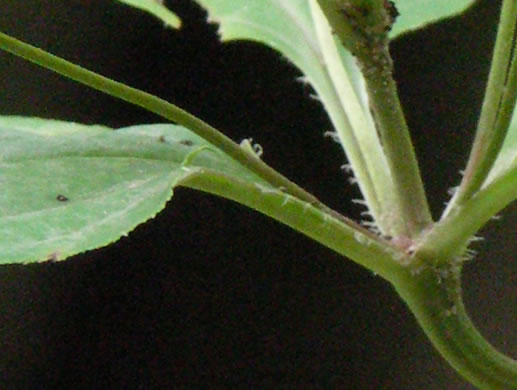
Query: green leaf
{"points": [[416, 14], [156, 8], [286, 26], [68, 188]]}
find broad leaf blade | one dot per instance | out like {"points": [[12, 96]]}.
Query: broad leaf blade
{"points": [[156, 8], [68, 188], [416, 14]]}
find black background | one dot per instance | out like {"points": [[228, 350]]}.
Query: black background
{"points": [[210, 294]]}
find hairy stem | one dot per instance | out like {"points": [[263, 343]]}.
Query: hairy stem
{"points": [[364, 151], [363, 31], [361, 246], [448, 237], [397, 143], [344, 122]]}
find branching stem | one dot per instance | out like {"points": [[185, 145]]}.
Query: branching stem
{"points": [[428, 279]]}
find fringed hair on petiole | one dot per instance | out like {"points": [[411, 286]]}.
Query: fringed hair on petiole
{"points": [[334, 136]]}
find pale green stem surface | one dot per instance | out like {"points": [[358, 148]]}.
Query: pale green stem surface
{"points": [[496, 110], [350, 143], [364, 151], [308, 215], [361, 246], [394, 134], [343, 122]]}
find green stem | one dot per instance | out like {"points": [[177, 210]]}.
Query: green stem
{"points": [[397, 144], [357, 134], [496, 109], [375, 62], [434, 297], [448, 237], [162, 108], [336, 103], [360, 245], [431, 293], [509, 98]]}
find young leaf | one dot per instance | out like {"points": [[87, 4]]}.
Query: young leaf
{"points": [[67, 188], [156, 8], [416, 14]]}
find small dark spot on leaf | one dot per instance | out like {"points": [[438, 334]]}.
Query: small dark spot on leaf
{"points": [[161, 138], [186, 142], [61, 198]]}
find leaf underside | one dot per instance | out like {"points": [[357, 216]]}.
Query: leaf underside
{"points": [[287, 26], [417, 14], [156, 8], [68, 188]]}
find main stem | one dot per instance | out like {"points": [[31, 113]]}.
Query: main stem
{"points": [[434, 297]]}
